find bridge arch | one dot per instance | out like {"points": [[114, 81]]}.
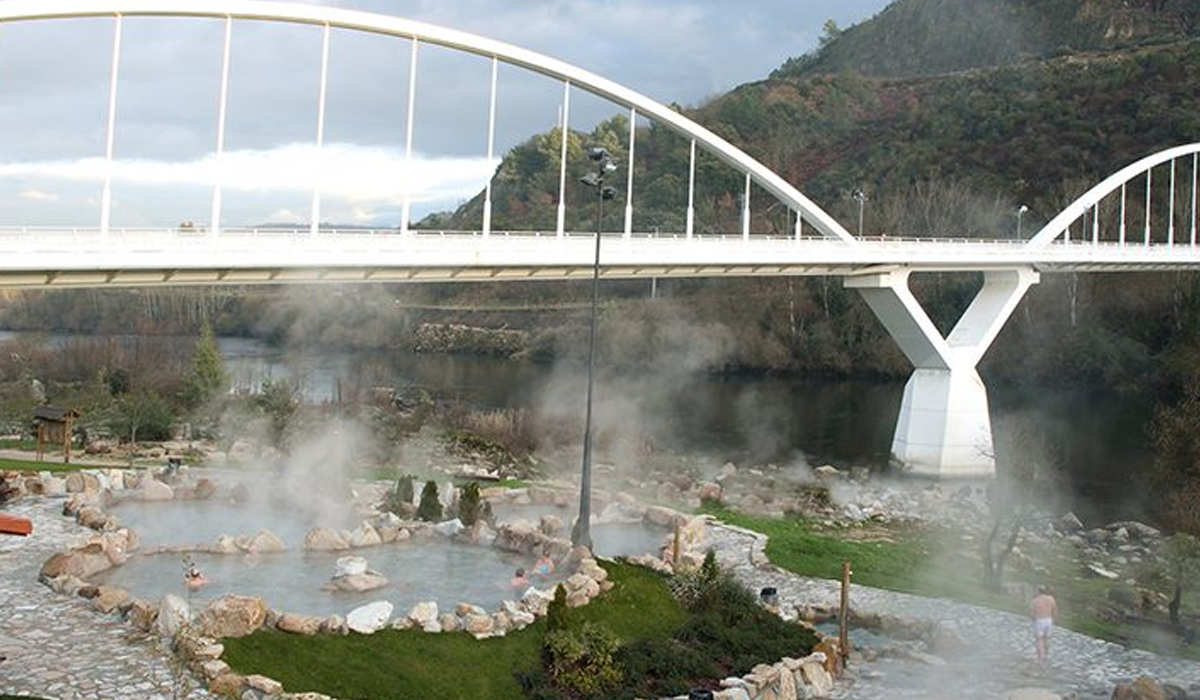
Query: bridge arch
{"points": [[338, 18], [1059, 226]]}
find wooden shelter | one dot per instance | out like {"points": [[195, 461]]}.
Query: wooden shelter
{"points": [[54, 427]]}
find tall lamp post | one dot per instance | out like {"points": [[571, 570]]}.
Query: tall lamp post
{"points": [[1021, 211], [581, 533], [861, 198]]}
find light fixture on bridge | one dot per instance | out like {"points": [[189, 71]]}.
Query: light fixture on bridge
{"points": [[1021, 211], [581, 533], [860, 197]]}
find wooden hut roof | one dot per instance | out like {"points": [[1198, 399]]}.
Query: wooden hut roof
{"points": [[54, 413]]}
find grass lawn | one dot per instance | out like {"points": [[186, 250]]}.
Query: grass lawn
{"points": [[449, 666], [29, 465], [938, 563]]}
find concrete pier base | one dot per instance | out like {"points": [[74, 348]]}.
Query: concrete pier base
{"points": [[944, 428]]}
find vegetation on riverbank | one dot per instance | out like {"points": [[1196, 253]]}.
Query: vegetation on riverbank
{"points": [[639, 613]]}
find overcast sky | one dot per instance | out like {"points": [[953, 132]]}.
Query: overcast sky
{"points": [[54, 101]]}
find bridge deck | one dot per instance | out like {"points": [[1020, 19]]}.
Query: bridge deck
{"points": [[74, 257]]}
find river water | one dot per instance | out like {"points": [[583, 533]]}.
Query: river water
{"points": [[1097, 441]]}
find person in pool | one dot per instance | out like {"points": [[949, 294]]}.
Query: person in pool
{"points": [[193, 578], [544, 566], [519, 581]]}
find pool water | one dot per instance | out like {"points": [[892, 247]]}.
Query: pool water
{"points": [[439, 570], [201, 522]]}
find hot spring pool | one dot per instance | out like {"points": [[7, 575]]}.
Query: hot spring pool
{"points": [[608, 539], [439, 570], [201, 522]]}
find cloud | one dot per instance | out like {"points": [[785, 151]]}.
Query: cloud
{"points": [[356, 174], [36, 195]]}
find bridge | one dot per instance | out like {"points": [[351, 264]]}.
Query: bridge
{"points": [[1142, 218]]}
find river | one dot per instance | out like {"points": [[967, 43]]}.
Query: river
{"points": [[1096, 440]]}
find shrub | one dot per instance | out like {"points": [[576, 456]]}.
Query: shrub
{"points": [[582, 661], [430, 508], [470, 506], [399, 498], [662, 668], [557, 613]]}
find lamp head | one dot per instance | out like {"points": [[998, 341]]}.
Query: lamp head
{"points": [[598, 153], [859, 196], [1024, 209], [591, 180], [608, 193]]}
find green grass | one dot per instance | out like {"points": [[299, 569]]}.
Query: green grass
{"points": [[28, 465], [932, 562], [450, 666]]}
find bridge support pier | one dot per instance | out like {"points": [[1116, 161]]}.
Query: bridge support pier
{"points": [[944, 428]]}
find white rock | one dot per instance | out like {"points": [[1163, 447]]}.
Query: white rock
{"points": [[369, 618], [450, 528], [350, 566], [1102, 572], [173, 614], [364, 536], [155, 490], [424, 614]]}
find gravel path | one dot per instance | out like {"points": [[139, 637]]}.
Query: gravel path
{"points": [[997, 654], [57, 646]]}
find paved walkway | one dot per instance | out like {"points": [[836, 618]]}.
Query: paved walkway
{"points": [[998, 651], [57, 646]]}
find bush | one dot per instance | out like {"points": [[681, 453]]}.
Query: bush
{"points": [[399, 498], [557, 613], [470, 505], [662, 668], [582, 661], [430, 508]]}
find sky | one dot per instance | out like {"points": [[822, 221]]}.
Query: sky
{"points": [[54, 97]]}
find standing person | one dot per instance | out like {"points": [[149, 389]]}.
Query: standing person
{"points": [[1044, 608]]}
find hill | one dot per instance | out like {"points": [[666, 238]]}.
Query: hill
{"points": [[928, 37]]}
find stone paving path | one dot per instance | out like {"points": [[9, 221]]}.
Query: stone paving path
{"points": [[57, 646], [998, 654]]}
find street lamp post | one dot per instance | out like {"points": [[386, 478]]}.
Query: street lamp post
{"points": [[581, 533], [1021, 211], [861, 198]]}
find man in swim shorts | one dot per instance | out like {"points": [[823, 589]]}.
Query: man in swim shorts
{"points": [[1044, 609]]}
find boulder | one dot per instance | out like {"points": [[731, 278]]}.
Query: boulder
{"points": [[1098, 570], [53, 485], [709, 491], [265, 541], [1066, 524], [425, 615], [479, 625], [227, 685], [819, 680], [334, 624], [83, 563], [214, 668], [224, 545], [449, 622], [142, 614], [350, 566], [517, 615], [323, 539], [536, 601], [1142, 688], [517, 536], [294, 623], [109, 598], [173, 614], [155, 490], [662, 517], [1135, 530], [369, 618], [450, 528], [356, 583], [364, 536], [92, 517], [264, 685], [551, 525], [466, 609], [232, 616]]}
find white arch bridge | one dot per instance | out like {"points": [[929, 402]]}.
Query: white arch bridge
{"points": [[1143, 218]]}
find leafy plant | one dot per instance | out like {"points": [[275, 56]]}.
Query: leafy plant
{"points": [[398, 499], [470, 504], [430, 508], [557, 613], [582, 661]]}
